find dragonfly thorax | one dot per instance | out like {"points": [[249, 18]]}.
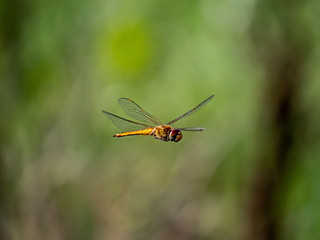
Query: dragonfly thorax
{"points": [[167, 133]]}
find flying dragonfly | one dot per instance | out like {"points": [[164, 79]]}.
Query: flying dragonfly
{"points": [[151, 126]]}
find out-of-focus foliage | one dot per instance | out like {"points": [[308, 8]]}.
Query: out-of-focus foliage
{"points": [[63, 176]]}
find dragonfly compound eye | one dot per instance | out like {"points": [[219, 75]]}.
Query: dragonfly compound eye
{"points": [[175, 135]]}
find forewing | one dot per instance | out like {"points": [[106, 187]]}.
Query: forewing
{"points": [[192, 111], [192, 129], [125, 125], [135, 111]]}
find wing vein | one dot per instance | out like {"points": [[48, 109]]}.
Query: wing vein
{"points": [[192, 111], [125, 124], [135, 111]]}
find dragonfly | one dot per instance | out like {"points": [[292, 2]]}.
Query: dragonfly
{"points": [[148, 124]]}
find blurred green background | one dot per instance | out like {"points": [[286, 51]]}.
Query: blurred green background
{"points": [[254, 172]]}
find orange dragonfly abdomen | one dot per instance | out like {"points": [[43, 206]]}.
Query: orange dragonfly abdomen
{"points": [[145, 132]]}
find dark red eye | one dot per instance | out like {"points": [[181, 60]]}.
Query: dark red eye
{"points": [[175, 135]]}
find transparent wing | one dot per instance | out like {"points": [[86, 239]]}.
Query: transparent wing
{"points": [[193, 110], [135, 111], [192, 129], [125, 124]]}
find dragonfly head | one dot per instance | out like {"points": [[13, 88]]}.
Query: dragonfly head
{"points": [[175, 135]]}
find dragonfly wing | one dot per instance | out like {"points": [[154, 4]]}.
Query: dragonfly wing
{"points": [[192, 111], [125, 124], [135, 111], [192, 129]]}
